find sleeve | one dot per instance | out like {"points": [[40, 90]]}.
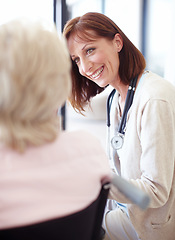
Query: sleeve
{"points": [[157, 139]]}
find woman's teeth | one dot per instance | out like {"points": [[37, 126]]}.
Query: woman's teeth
{"points": [[97, 73]]}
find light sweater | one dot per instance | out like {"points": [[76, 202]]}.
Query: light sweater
{"points": [[51, 181], [147, 158]]}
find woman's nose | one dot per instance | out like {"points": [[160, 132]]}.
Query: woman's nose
{"points": [[85, 66]]}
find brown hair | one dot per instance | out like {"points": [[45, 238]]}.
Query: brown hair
{"points": [[132, 62]]}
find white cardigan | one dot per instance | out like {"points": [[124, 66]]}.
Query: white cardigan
{"points": [[147, 158]]}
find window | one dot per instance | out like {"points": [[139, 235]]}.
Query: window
{"points": [[127, 15], [159, 32], [80, 7]]}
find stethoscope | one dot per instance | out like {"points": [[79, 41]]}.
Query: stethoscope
{"points": [[118, 139]]}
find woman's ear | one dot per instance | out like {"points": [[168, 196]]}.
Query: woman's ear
{"points": [[118, 40]]}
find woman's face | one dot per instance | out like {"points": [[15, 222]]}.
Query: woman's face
{"points": [[97, 59]]}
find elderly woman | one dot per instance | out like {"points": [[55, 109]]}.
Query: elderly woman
{"points": [[45, 174]]}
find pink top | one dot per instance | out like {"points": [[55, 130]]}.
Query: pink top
{"points": [[51, 181]]}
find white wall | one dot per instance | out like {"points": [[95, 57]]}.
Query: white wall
{"points": [[170, 56], [34, 9]]}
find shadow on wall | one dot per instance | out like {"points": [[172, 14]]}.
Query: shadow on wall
{"points": [[96, 110]]}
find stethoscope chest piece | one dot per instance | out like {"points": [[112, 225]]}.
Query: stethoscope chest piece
{"points": [[117, 141]]}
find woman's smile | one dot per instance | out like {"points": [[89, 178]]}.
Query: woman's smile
{"points": [[97, 73]]}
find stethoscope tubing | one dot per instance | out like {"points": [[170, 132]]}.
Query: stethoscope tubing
{"points": [[128, 103], [109, 103]]}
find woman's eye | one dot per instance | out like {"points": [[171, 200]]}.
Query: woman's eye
{"points": [[90, 50]]}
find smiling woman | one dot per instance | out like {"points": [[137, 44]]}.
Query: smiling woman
{"points": [[92, 40], [143, 117]]}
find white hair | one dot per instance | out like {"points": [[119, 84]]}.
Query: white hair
{"points": [[34, 82]]}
